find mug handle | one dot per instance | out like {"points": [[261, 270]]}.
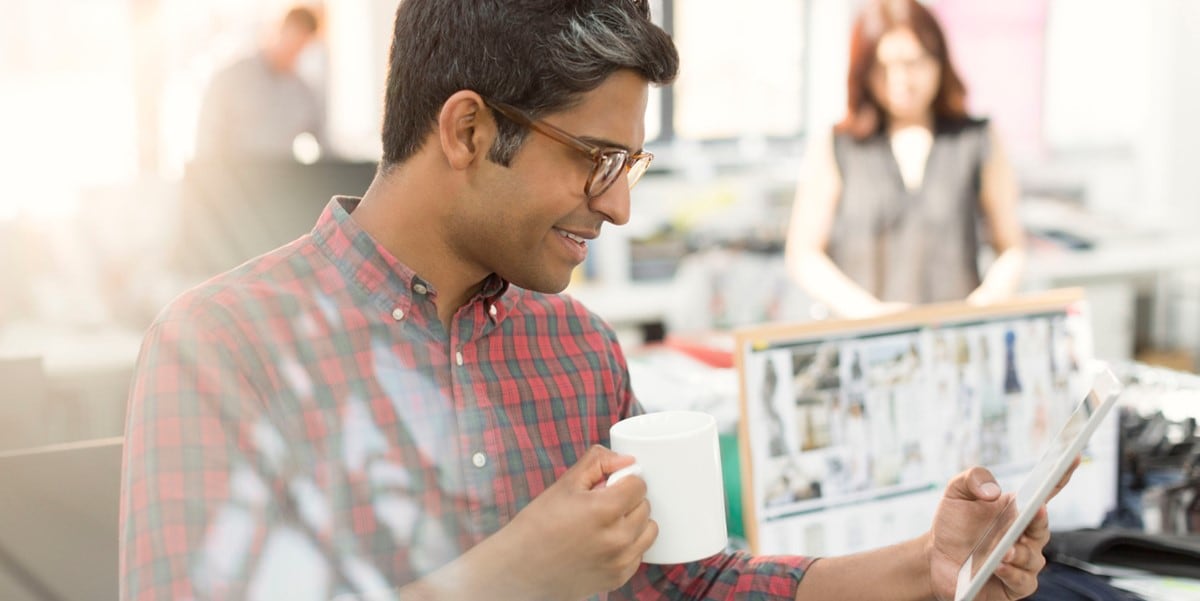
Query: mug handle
{"points": [[629, 470]]}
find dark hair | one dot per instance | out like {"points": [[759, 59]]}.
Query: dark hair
{"points": [[539, 55], [303, 17], [864, 113]]}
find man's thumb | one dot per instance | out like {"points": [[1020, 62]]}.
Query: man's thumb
{"points": [[976, 483]]}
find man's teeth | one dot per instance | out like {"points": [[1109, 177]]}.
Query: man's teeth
{"points": [[569, 235]]}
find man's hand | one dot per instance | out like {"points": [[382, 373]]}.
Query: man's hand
{"points": [[967, 508], [579, 537]]}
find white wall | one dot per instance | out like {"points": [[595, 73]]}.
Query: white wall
{"points": [[1121, 87], [1119, 90], [362, 32], [1169, 147], [828, 60]]}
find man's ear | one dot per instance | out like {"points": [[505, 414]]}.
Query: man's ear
{"points": [[466, 129]]}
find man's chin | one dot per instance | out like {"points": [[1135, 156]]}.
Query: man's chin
{"points": [[551, 289], [545, 284]]}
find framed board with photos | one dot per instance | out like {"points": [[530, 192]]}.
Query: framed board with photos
{"points": [[850, 429]]}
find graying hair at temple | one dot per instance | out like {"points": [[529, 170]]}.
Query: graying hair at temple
{"points": [[538, 55]]}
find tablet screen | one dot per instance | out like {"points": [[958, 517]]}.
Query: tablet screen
{"points": [[1037, 487]]}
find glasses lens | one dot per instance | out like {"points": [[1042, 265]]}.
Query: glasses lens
{"points": [[606, 171], [638, 168]]}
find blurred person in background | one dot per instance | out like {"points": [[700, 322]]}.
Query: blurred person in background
{"points": [[402, 398], [256, 107], [889, 202]]}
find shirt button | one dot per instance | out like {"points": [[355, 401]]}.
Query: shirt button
{"points": [[458, 358], [479, 459], [492, 310], [397, 314], [420, 289]]}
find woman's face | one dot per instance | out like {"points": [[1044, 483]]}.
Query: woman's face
{"points": [[905, 77]]}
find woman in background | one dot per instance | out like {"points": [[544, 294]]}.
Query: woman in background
{"points": [[889, 203]]}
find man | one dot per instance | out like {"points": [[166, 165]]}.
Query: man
{"points": [[400, 404], [256, 107]]}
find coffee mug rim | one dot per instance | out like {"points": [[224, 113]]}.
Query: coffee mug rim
{"points": [[618, 429]]}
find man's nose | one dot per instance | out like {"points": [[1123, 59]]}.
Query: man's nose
{"points": [[613, 203]]}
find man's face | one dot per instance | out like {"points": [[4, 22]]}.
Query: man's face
{"points": [[531, 222]]}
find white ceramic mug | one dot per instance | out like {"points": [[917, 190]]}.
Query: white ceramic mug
{"points": [[679, 457]]}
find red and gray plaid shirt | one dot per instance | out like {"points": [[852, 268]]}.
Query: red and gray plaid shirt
{"points": [[304, 426]]}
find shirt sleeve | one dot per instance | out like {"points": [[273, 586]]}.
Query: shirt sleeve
{"points": [[196, 483], [723, 577]]}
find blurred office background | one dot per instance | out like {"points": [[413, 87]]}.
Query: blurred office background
{"points": [[104, 216]]}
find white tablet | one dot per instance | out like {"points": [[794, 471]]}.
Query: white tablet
{"points": [[1011, 522]]}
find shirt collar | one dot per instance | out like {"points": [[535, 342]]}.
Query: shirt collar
{"points": [[392, 284]]}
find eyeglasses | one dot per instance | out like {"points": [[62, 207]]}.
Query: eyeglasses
{"points": [[608, 162]]}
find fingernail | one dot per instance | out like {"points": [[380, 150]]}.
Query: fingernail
{"points": [[990, 489]]}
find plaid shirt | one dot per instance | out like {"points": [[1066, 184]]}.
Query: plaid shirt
{"points": [[304, 426]]}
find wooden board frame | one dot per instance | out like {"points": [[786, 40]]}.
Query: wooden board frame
{"points": [[924, 316]]}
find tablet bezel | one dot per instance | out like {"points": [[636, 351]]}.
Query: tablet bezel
{"points": [[1043, 478]]}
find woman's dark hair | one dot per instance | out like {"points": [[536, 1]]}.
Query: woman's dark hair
{"points": [[538, 55], [864, 113]]}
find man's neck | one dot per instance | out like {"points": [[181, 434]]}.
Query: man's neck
{"points": [[404, 216]]}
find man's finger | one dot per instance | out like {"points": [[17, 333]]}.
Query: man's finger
{"points": [[1066, 477], [639, 515], [633, 469], [1019, 582], [596, 465], [974, 484], [649, 533], [1038, 529]]}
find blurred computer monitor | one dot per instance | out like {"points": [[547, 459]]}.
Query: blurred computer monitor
{"points": [[232, 211], [58, 522], [852, 428]]}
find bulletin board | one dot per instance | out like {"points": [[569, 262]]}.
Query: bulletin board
{"points": [[850, 429]]}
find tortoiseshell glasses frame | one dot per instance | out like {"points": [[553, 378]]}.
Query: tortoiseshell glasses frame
{"points": [[608, 162]]}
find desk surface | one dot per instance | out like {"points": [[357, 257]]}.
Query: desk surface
{"points": [[70, 349], [1120, 258], [1159, 587], [1126, 257], [58, 521]]}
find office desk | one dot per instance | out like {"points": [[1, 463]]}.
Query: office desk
{"points": [[58, 522], [1136, 256], [86, 378], [1115, 273], [1160, 587], [70, 349]]}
